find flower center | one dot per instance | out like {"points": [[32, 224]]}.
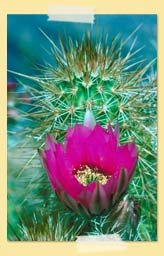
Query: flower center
{"points": [[86, 175]]}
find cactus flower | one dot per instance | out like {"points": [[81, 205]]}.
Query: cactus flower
{"points": [[90, 169]]}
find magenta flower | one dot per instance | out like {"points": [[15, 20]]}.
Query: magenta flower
{"points": [[91, 169]]}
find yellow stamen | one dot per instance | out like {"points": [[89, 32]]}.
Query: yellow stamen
{"points": [[85, 175]]}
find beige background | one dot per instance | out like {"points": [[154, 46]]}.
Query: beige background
{"points": [[100, 6]]}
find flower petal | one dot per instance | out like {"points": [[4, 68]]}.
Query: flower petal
{"points": [[99, 199], [49, 162], [76, 141], [102, 151], [65, 176], [127, 158]]}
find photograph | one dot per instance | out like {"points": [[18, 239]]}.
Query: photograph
{"points": [[82, 127]]}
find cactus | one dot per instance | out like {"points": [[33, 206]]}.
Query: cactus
{"points": [[119, 89]]}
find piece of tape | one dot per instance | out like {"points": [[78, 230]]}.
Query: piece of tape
{"points": [[71, 14], [101, 243]]}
